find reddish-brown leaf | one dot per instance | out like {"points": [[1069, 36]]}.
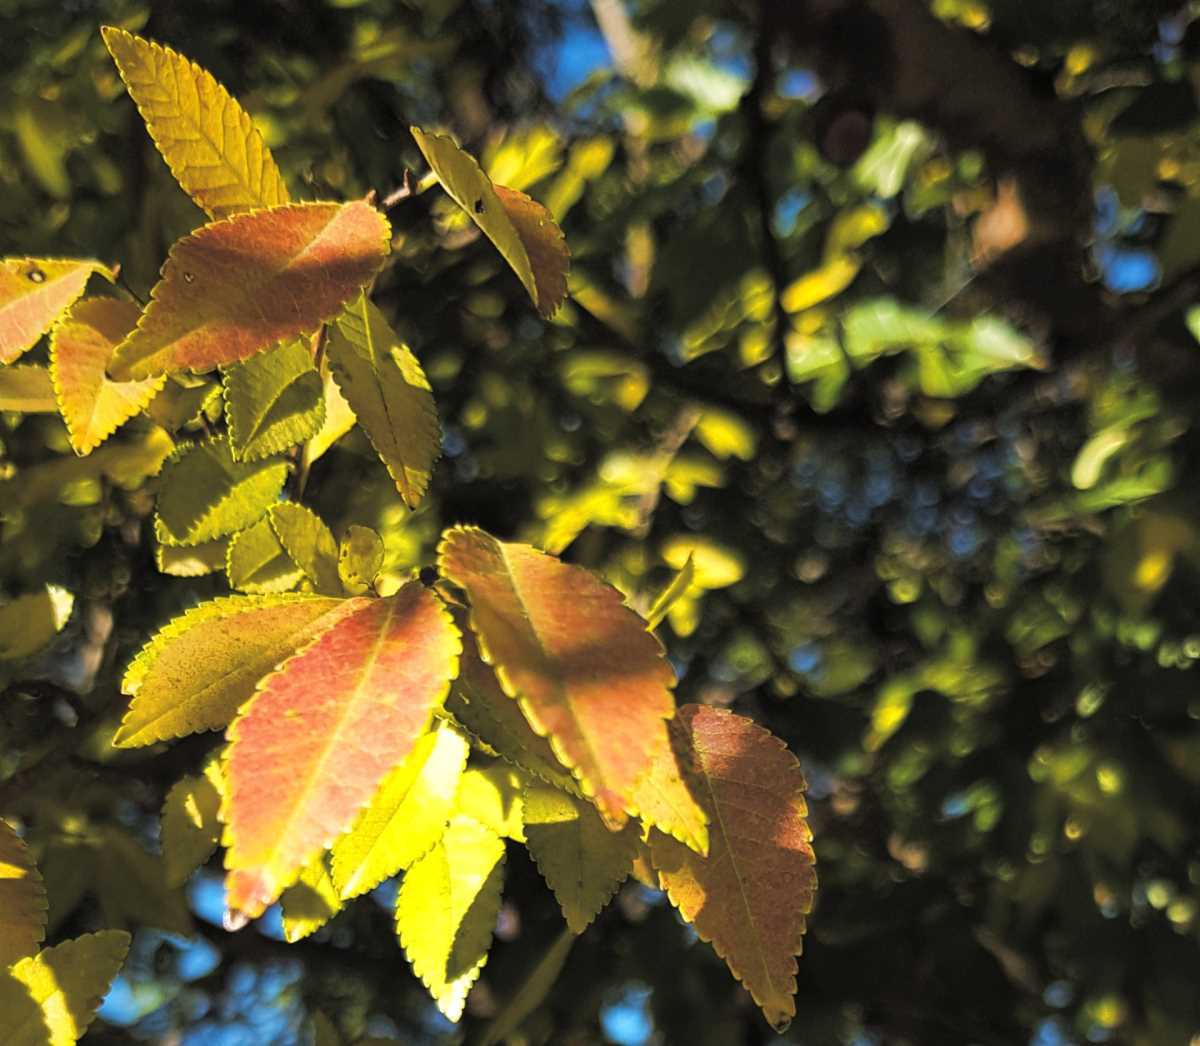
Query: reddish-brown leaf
{"points": [[237, 286], [588, 675], [310, 749], [33, 292], [549, 258], [751, 895]]}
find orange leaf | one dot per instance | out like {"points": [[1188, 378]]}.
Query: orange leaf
{"points": [[751, 894], [588, 675], [310, 749], [92, 405], [545, 244], [238, 286], [33, 292]]}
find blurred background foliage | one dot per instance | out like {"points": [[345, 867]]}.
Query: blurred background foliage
{"points": [[883, 311]]}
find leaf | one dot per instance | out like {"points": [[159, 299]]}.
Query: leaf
{"points": [[310, 902], [22, 899], [751, 894], [258, 562], [532, 991], [585, 670], [494, 796], [238, 286], [309, 544], [665, 797], [671, 595], [180, 405], [581, 860], [190, 826], [322, 733], [205, 494], [27, 389], [64, 984], [273, 400], [28, 623], [339, 419], [446, 910], [210, 143], [521, 228], [388, 393], [81, 344], [193, 561], [33, 294], [131, 885], [324, 1033], [406, 817], [199, 668], [360, 557]]}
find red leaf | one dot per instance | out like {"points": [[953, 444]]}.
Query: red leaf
{"points": [[309, 750]]}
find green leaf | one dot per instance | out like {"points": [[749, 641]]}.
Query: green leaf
{"points": [[27, 389], [209, 141], [205, 494], [671, 595], [389, 393], [446, 910], [51, 998], [273, 400], [310, 902], [180, 405], [29, 622], [578, 856], [22, 899], [190, 826], [191, 560], [309, 543], [360, 557], [406, 817], [258, 562], [533, 989], [131, 885], [198, 669]]}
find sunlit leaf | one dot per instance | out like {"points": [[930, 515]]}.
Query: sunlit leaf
{"points": [[258, 562], [670, 595], [81, 344], [27, 389], [272, 400], [388, 393], [750, 896], [33, 294], [238, 286], [209, 142], [493, 796], [586, 672], [310, 902], [323, 731], [446, 910], [714, 565], [190, 827], [22, 899], [193, 560], [407, 814], [360, 556], [29, 622], [309, 544], [581, 860], [666, 798], [339, 419], [198, 669]]}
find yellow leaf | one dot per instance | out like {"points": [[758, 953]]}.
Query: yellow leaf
{"points": [[208, 140], [821, 284], [29, 622], [446, 910], [193, 561], [33, 294], [715, 565], [22, 899], [190, 826], [339, 419], [360, 556], [258, 562], [309, 544], [310, 902], [492, 795], [671, 595], [27, 390]]}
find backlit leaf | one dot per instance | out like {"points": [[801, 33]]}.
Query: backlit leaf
{"points": [[81, 344], [388, 393], [51, 998], [179, 405], [309, 543], [308, 753], [581, 860], [521, 228], [360, 555], [27, 389], [585, 670], [205, 494], [407, 815], [750, 896], [193, 560], [494, 796], [29, 622], [310, 902], [22, 899], [671, 595], [258, 562], [446, 910], [273, 400], [666, 797], [209, 142], [190, 827], [199, 668], [339, 419], [238, 286], [33, 294]]}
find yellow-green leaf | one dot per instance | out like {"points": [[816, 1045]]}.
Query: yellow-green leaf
{"points": [[205, 494], [184, 401], [209, 141], [273, 400], [494, 796], [388, 393], [27, 388], [446, 910], [191, 561], [258, 562], [197, 670], [22, 899], [339, 419], [51, 998], [190, 827], [81, 344], [671, 595], [33, 294], [581, 860], [406, 817], [29, 622], [360, 557], [310, 902], [521, 228], [309, 543]]}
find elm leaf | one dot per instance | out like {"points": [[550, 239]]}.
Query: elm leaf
{"points": [[273, 400], [22, 899], [34, 292]]}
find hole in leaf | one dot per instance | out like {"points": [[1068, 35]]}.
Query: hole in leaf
{"points": [[189, 277], [36, 276], [479, 206]]}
